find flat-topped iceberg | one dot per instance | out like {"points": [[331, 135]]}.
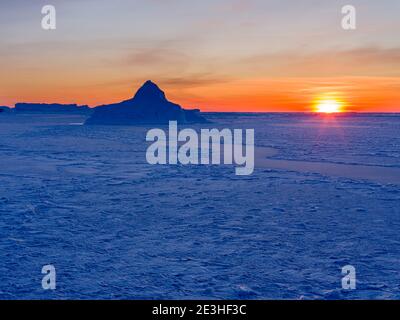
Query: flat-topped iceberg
{"points": [[50, 108], [148, 106]]}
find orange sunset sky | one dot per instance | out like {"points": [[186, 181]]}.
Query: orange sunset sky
{"points": [[236, 55]]}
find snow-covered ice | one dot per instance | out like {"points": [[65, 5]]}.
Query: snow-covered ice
{"points": [[84, 199]]}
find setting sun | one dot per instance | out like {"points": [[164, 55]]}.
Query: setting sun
{"points": [[328, 106]]}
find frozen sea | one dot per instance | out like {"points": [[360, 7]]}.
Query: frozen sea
{"points": [[325, 194]]}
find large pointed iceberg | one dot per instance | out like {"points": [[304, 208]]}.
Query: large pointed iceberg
{"points": [[148, 106]]}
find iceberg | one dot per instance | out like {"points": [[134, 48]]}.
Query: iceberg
{"points": [[50, 108], [148, 106]]}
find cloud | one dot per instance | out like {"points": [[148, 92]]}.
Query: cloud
{"points": [[368, 61], [194, 80], [237, 6]]}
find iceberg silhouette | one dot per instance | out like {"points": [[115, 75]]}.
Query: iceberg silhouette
{"points": [[4, 109], [148, 106], [50, 108]]}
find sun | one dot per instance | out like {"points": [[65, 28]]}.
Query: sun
{"points": [[328, 106]]}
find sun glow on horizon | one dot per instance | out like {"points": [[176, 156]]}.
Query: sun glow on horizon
{"points": [[328, 106]]}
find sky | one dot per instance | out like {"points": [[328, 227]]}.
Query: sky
{"points": [[215, 55]]}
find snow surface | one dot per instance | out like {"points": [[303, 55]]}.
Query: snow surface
{"points": [[84, 199]]}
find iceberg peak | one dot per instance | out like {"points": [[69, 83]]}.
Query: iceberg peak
{"points": [[149, 91]]}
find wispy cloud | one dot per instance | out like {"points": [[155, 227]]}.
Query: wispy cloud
{"points": [[366, 61]]}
